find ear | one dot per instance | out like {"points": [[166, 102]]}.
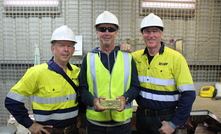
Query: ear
{"points": [[117, 31], [52, 48], [73, 51], [162, 35], [96, 34]]}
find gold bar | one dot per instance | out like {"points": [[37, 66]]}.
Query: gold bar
{"points": [[110, 103]]}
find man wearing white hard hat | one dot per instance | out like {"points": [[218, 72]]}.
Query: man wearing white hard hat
{"points": [[109, 82], [53, 99], [167, 90]]}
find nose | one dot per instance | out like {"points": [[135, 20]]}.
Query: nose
{"points": [[66, 48], [106, 31]]}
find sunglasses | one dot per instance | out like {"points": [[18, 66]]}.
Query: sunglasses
{"points": [[103, 29]]}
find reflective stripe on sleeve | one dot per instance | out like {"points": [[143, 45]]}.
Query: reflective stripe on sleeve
{"points": [[186, 87], [17, 97]]}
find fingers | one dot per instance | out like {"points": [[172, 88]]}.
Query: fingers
{"points": [[48, 126], [39, 129], [166, 128], [126, 47], [45, 131], [97, 106], [122, 103]]}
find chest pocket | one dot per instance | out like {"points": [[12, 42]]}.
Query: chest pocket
{"points": [[163, 72], [53, 90], [141, 68]]}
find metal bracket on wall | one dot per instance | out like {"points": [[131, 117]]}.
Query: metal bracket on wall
{"points": [[179, 45]]}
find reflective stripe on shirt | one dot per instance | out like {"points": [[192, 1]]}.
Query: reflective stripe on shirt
{"points": [[52, 100], [157, 81], [56, 116], [159, 97]]}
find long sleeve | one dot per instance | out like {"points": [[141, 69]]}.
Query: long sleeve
{"points": [[184, 108], [18, 110], [18, 95], [186, 88]]}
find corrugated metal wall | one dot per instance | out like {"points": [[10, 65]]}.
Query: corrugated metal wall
{"points": [[20, 29]]}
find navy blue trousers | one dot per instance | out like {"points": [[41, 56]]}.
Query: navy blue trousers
{"points": [[149, 124]]}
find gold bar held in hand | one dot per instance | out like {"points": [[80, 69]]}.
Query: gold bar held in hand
{"points": [[110, 103]]}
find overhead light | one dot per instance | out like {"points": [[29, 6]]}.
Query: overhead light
{"points": [[172, 0], [31, 3], [168, 5], [31, 6]]}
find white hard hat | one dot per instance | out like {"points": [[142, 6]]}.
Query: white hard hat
{"points": [[150, 21], [63, 33], [107, 17]]}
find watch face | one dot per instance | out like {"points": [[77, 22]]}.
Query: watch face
{"points": [[127, 99], [110, 103]]}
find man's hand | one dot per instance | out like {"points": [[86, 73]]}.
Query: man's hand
{"points": [[38, 129], [126, 48], [97, 105], [166, 128], [122, 103]]}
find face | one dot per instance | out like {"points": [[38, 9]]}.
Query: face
{"points": [[63, 51], [106, 34], [152, 37]]}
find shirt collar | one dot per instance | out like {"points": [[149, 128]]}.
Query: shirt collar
{"points": [[52, 61]]}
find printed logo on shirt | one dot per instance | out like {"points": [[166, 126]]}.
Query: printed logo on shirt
{"points": [[163, 64]]}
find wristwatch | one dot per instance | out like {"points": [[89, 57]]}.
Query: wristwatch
{"points": [[126, 98]]}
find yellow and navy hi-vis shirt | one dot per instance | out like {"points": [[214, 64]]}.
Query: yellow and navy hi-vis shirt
{"points": [[53, 99], [163, 80]]}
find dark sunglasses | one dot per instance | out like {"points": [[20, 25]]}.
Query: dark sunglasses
{"points": [[103, 29]]}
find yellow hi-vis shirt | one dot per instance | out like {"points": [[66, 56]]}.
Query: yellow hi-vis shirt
{"points": [[102, 83], [166, 72], [48, 91]]}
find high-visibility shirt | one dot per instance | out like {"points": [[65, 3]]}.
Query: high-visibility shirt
{"points": [[163, 80], [102, 83], [52, 98]]}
